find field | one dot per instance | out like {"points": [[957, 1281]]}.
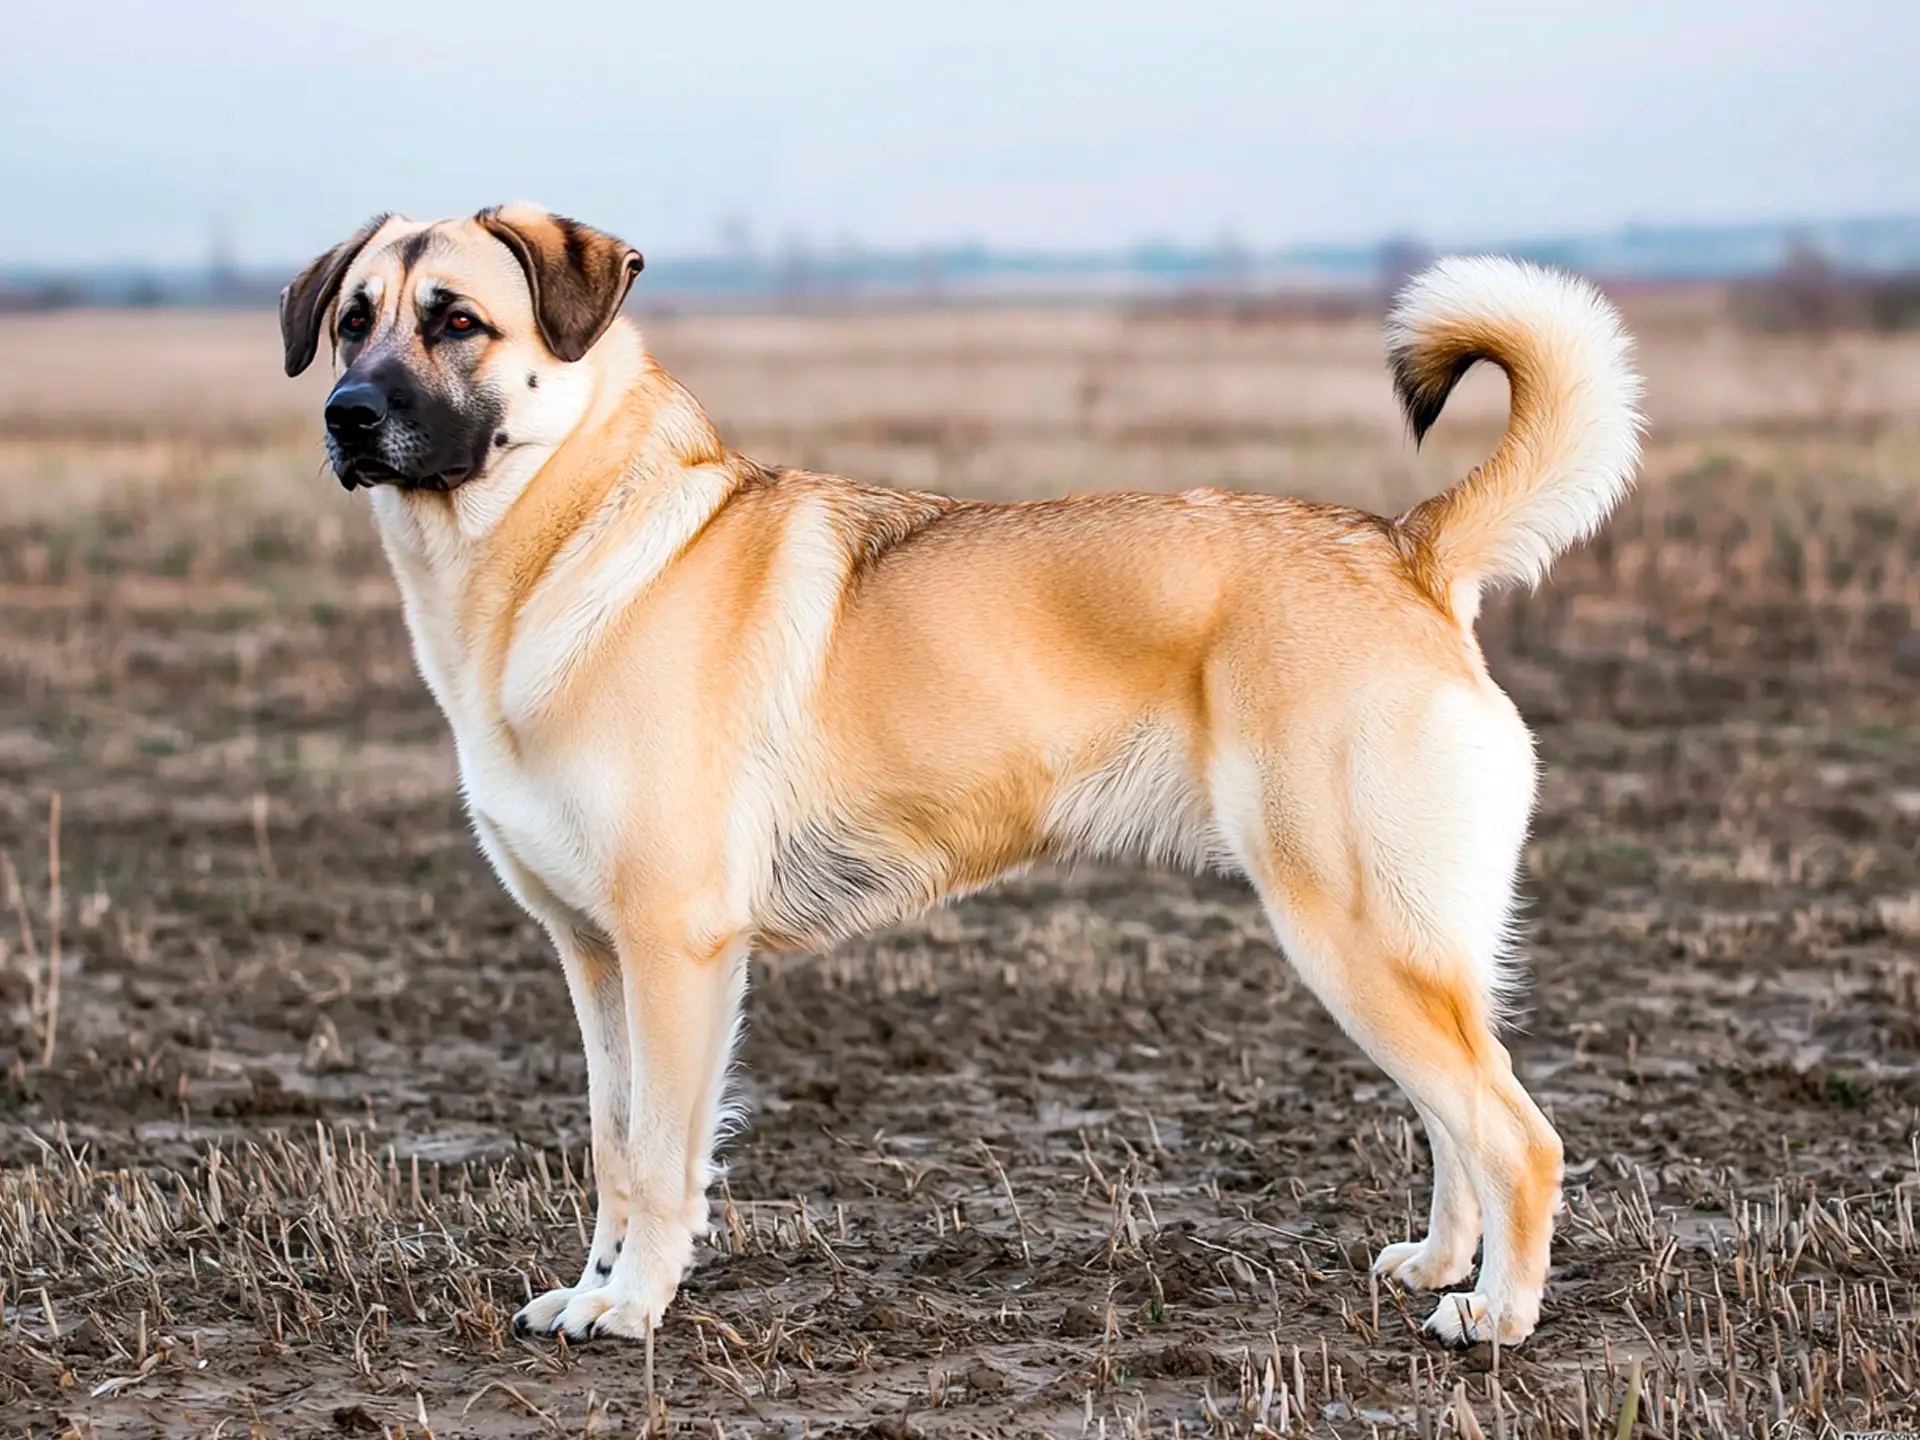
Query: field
{"points": [[292, 1110]]}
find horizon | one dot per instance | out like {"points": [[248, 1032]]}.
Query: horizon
{"points": [[1328, 255]]}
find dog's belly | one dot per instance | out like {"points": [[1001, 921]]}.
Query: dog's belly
{"points": [[826, 882], [883, 859]]}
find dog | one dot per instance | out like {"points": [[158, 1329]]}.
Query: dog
{"points": [[704, 706]]}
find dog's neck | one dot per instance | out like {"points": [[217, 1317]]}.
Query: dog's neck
{"points": [[621, 438]]}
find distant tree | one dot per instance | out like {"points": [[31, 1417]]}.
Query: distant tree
{"points": [[1808, 293], [1893, 302], [736, 238], [1232, 263], [796, 273], [1400, 259], [57, 295], [223, 270]]}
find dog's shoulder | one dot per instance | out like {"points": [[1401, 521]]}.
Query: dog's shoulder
{"points": [[867, 521]]}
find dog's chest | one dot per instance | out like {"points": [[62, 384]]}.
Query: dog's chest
{"points": [[535, 828], [533, 824]]}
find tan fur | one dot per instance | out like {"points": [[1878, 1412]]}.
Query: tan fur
{"points": [[704, 707]]}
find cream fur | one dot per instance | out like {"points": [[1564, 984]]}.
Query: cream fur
{"points": [[702, 706]]}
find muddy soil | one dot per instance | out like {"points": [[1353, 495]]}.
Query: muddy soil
{"points": [[1078, 1152]]}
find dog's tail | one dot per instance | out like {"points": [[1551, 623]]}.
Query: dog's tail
{"points": [[1573, 432]]}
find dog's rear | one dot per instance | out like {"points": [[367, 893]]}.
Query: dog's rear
{"points": [[1387, 845]]}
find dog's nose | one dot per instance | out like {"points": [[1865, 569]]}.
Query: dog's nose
{"points": [[356, 408]]}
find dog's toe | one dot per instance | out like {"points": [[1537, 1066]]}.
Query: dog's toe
{"points": [[626, 1322], [583, 1311], [1418, 1265], [606, 1312], [1456, 1319], [625, 1299], [541, 1315], [1470, 1318]]}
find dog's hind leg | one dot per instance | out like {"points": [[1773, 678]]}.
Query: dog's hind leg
{"points": [[1445, 1255], [600, 1005], [1429, 1026], [1389, 877]]}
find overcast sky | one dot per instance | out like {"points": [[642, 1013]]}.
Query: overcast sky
{"points": [[133, 129]]}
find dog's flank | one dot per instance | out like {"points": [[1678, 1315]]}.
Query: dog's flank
{"points": [[703, 706]]}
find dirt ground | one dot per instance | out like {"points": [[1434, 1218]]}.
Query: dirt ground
{"points": [[1078, 1156]]}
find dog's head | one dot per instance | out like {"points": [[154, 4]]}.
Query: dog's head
{"points": [[454, 341]]}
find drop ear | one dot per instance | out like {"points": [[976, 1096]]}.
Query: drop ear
{"points": [[579, 276], [304, 303]]}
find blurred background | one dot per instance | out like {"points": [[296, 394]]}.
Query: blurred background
{"points": [[1120, 247], [1009, 251], [754, 151]]}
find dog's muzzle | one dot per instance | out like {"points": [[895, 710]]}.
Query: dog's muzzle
{"points": [[382, 429], [355, 411]]}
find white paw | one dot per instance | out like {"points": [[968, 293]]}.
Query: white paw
{"points": [[609, 1313], [626, 1306], [541, 1315], [1421, 1265], [626, 1302], [1468, 1317]]}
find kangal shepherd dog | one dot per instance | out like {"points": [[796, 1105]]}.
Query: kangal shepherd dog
{"points": [[704, 705]]}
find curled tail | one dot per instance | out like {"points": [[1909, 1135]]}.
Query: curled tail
{"points": [[1573, 434]]}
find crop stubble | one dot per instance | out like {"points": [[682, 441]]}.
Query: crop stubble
{"points": [[1076, 1153]]}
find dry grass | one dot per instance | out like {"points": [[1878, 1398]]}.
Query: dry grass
{"points": [[1797, 1311], [304, 1124], [981, 402]]}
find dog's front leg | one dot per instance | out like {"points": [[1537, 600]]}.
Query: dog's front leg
{"points": [[600, 1004], [682, 1004]]}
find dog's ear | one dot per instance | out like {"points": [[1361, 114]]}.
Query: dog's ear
{"points": [[304, 303], [579, 276]]}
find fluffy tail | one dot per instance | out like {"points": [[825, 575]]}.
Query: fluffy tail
{"points": [[1573, 434]]}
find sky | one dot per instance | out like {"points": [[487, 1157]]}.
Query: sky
{"points": [[138, 130]]}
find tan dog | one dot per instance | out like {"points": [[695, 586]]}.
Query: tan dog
{"points": [[704, 706]]}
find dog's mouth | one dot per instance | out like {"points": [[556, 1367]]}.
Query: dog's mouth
{"points": [[355, 473], [365, 472]]}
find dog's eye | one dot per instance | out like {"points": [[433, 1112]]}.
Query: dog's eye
{"points": [[461, 323], [353, 325]]}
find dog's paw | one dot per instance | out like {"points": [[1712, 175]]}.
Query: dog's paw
{"points": [[541, 1315], [629, 1321], [1421, 1265], [1468, 1317], [616, 1310]]}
